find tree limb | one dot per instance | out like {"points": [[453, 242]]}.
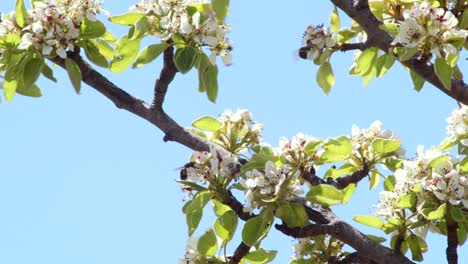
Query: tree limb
{"points": [[353, 46], [341, 230], [166, 76], [452, 241], [360, 12], [241, 251]]}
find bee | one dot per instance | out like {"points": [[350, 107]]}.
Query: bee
{"points": [[183, 170]]}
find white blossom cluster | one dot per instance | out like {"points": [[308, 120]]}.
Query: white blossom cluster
{"points": [[239, 129], [361, 138], [294, 150], [317, 249], [270, 184], [317, 38], [439, 178], [426, 26], [457, 127], [53, 26], [170, 18], [208, 165], [191, 252]]}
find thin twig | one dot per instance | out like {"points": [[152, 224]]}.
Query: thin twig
{"points": [[166, 76]]}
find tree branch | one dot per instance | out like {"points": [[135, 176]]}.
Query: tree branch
{"points": [[241, 251], [341, 230], [452, 241], [360, 12], [166, 76], [343, 181], [237, 207], [353, 46], [353, 258]]}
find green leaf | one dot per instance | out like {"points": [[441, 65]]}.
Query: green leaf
{"points": [[209, 81], [198, 202], [202, 64], [149, 54], [9, 41], [140, 28], [74, 73], [384, 146], [443, 72], [393, 164], [335, 20], [257, 161], [128, 19], [34, 91], [374, 179], [334, 173], [376, 238], [391, 28], [293, 214], [9, 89], [406, 200], [124, 54], [462, 234], [368, 220], [432, 214], [21, 14], [415, 248], [93, 54], [435, 162], [384, 63], [220, 7], [418, 81], [259, 256], [366, 61], [389, 183], [207, 244], [348, 192], [219, 208], [184, 59], [325, 77], [336, 149], [104, 48], [207, 123], [193, 220], [47, 72], [312, 145], [325, 194], [256, 228], [226, 225], [464, 165], [31, 72], [91, 29], [457, 214]]}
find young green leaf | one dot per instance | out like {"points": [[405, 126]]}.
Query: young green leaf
{"points": [[128, 19], [104, 48], [124, 54], [384, 63], [293, 214], [207, 123], [443, 72], [184, 59], [31, 72], [366, 61], [209, 81], [193, 220], [47, 72], [255, 229], [335, 20], [325, 77], [198, 202], [93, 54], [220, 8], [208, 243], [406, 200], [259, 256], [432, 214], [348, 192], [415, 248], [374, 179], [91, 29], [34, 91], [74, 73], [21, 14], [9, 89], [325, 194], [371, 221], [226, 225], [149, 54], [384, 146], [389, 183], [418, 81]]}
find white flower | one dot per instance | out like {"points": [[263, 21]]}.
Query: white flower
{"points": [[411, 34], [191, 253], [316, 39], [458, 123]]}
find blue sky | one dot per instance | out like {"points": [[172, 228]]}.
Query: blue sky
{"points": [[84, 182]]}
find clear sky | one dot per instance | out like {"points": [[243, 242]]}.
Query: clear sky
{"points": [[84, 182]]}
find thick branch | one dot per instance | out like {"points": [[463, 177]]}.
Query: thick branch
{"points": [[353, 258], [353, 46], [237, 207], [241, 251], [452, 241], [343, 181], [359, 11], [341, 230], [123, 100], [166, 76]]}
